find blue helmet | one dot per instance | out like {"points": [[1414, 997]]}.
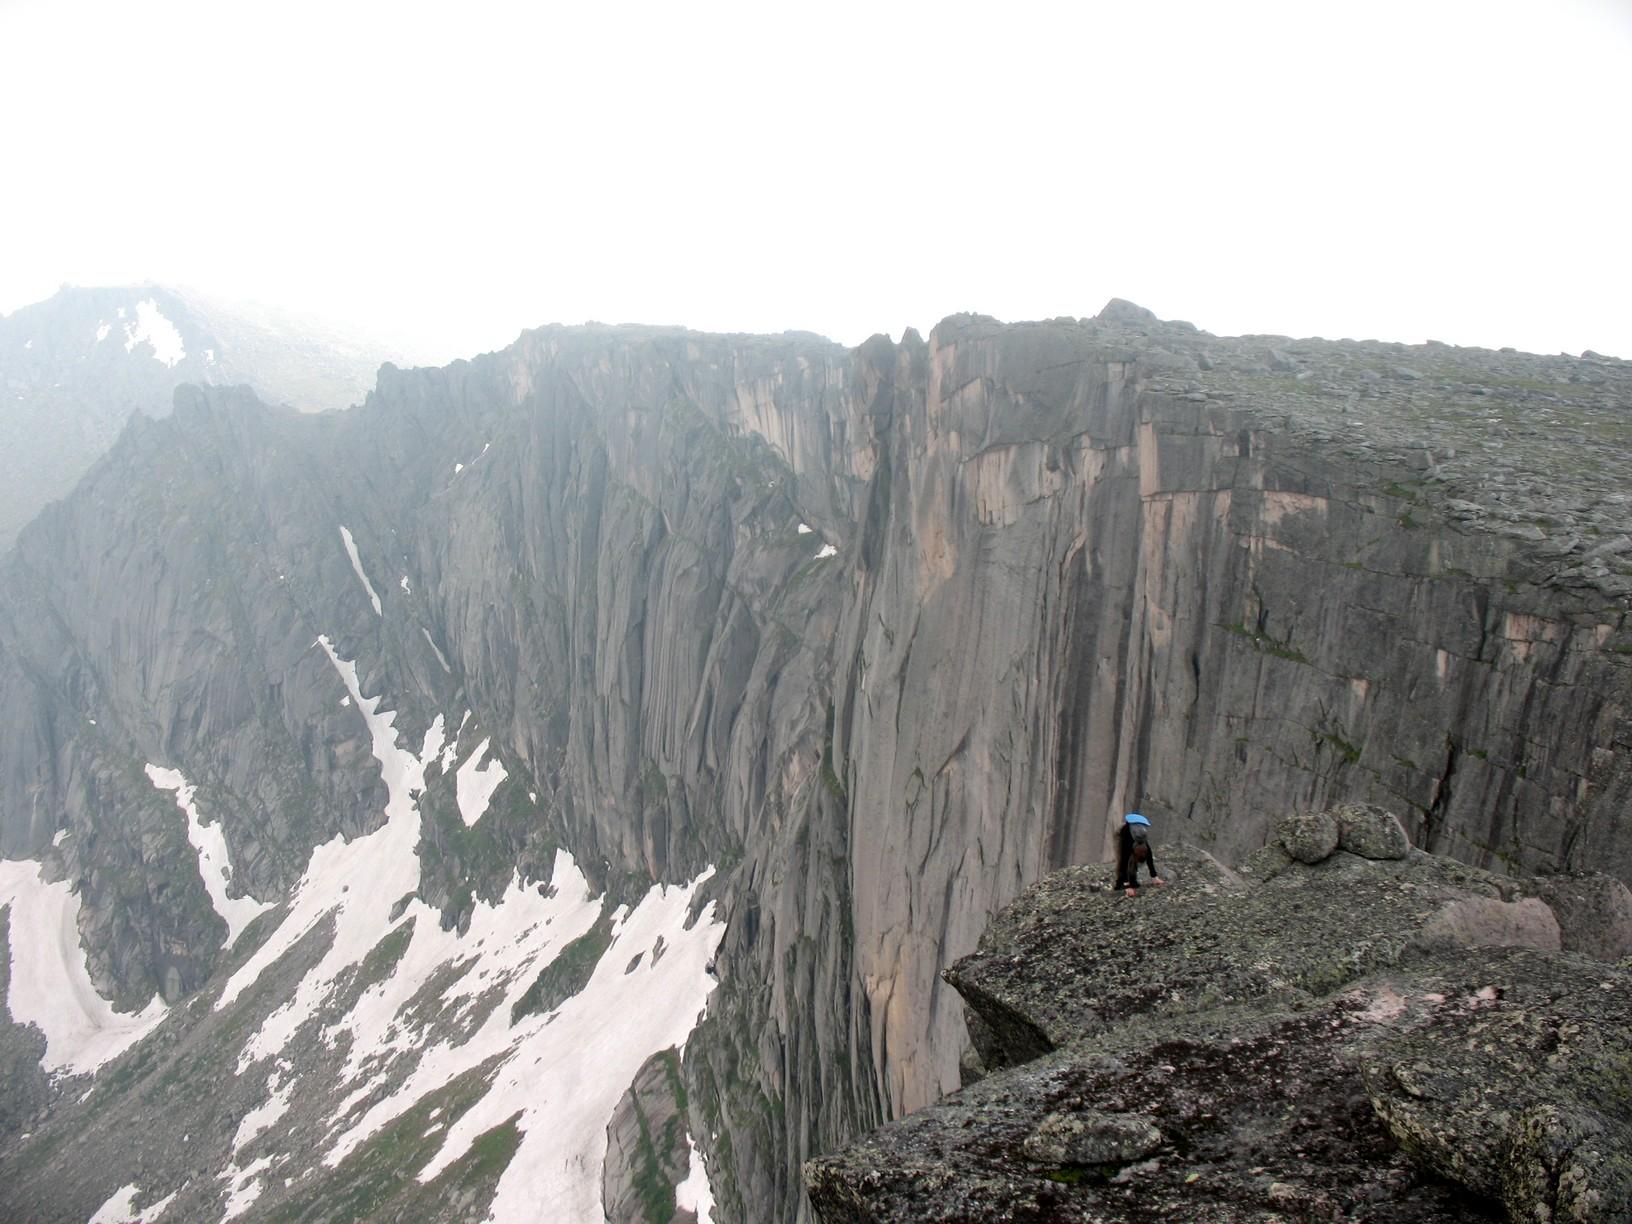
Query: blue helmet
{"points": [[1133, 818]]}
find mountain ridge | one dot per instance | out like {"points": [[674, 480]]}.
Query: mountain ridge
{"points": [[75, 368], [881, 634]]}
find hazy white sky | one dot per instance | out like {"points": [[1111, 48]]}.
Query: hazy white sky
{"points": [[456, 172]]}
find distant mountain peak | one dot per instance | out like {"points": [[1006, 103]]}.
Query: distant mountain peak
{"points": [[76, 367]]}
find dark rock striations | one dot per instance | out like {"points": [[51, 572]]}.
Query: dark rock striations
{"points": [[884, 634], [1316, 1044]]}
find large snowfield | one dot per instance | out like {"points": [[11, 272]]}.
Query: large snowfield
{"points": [[557, 1076], [50, 985], [154, 329]]}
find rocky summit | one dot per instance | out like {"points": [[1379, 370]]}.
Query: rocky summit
{"points": [[1367, 1033], [556, 784]]}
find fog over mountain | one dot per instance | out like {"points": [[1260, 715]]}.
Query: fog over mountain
{"points": [[553, 787], [75, 368]]}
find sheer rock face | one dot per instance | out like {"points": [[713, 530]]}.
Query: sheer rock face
{"points": [[1076, 567], [1318, 1044]]}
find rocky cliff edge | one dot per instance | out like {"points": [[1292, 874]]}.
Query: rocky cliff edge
{"points": [[1345, 1029]]}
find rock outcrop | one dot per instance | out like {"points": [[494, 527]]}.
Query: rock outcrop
{"points": [[1314, 1042], [647, 1149], [884, 634]]}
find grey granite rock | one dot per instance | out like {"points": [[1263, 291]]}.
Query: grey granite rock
{"points": [[1429, 1084], [1089, 1138], [1485, 922], [1520, 1091], [647, 1154], [1071, 956], [1371, 831], [1594, 913], [1308, 837], [1060, 588]]}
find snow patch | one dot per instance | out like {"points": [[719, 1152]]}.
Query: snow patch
{"points": [[357, 882], [523, 933], [27, 344], [269, 1110], [403, 582], [102, 330], [213, 864], [558, 1075], [827, 551], [121, 1208], [805, 528], [246, 1186], [357, 568], [151, 327], [457, 468], [563, 1073], [438, 651], [695, 1194], [59, 837], [451, 752], [50, 986], [474, 785]]}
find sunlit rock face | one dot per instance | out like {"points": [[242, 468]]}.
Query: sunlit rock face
{"points": [[846, 646]]}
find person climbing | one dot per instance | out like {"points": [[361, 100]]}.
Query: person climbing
{"points": [[1132, 852]]}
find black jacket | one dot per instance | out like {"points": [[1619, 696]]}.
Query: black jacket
{"points": [[1126, 869]]}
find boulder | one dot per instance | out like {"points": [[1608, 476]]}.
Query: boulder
{"points": [[1127, 314], [1370, 831], [1484, 922], [1308, 836]]}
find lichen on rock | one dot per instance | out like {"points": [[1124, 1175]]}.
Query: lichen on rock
{"points": [[1381, 1037], [1308, 837], [1370, 831], [1090, 1138]]}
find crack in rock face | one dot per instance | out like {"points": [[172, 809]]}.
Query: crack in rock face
{"points": [[884, 633]]}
